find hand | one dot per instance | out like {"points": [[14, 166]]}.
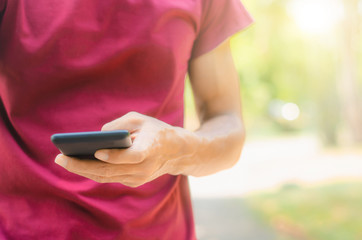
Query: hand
{"points": [[156, 150], [159, 148]]}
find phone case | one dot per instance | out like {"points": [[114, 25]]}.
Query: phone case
{"points": [[85, 144]]}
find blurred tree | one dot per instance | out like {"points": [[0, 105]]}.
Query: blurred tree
{"points": [[278, 61], [348, 81]]}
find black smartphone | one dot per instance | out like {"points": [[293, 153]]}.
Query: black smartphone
{"points": [[85, 144]]}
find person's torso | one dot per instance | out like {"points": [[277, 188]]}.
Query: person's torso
{"points": [[73, 66]]}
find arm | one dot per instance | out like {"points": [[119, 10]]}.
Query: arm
{"points": [[216, 90], [159, 148]]}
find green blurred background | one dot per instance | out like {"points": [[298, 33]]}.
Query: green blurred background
{"points": [[301, 84]]}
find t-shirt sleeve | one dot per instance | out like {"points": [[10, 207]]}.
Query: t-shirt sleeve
{"points": [[220, 19]]}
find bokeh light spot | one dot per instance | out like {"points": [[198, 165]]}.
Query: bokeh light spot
{"points": [[290, 111]]}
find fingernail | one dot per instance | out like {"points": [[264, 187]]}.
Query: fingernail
{"points": [[101, 155], [61, 161]]}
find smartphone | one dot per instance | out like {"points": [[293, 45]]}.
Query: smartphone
{"points": [[85, 144]]}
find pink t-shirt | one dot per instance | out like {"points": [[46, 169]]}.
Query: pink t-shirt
{"points": [[75, 65]]}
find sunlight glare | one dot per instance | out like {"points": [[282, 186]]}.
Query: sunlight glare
{"points": [[316, 16]]}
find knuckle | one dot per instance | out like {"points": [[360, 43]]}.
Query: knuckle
{"points": [[139, 156], [134, 117], [131, 115], [100, 179], [107, 172], [142, 180], [137, 184], [134, 182], [129, 184], [134, 185], [107, 127], [146, 173]]}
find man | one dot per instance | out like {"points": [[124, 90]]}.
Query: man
{"points": [[69, 66]]}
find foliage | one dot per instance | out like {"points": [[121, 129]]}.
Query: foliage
{"points": [[277, 61], [329, 212]]}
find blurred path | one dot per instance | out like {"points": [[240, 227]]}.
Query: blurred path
{"points": [[269, 163], [220, 212], [228, 219]]}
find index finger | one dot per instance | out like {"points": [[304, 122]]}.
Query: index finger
{"points": [[131, 122], [130, 155]]}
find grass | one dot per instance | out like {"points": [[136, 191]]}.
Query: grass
{"points": [[329, 212]]}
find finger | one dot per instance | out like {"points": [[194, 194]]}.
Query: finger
{"points": [[127, 180], [94, 167], [135, 154], [96, 178], [79, 165], [131, 122]]}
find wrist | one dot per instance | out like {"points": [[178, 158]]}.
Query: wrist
{"points": [[182, 152]]}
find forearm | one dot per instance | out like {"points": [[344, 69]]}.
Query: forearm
{"points": [[215, 146]]}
